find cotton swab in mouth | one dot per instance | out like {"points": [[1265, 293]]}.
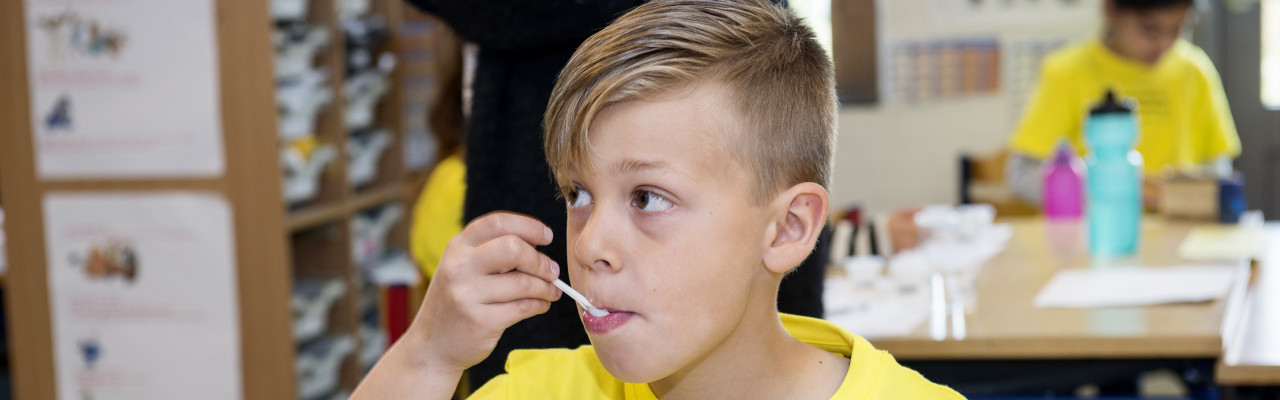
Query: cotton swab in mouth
{"points": [[595, 312]]}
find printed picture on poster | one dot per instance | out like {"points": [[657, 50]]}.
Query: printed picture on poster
{"points": [[109, 259]]}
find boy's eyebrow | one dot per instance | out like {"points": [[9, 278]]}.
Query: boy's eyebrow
{"points": [[631, 165]]}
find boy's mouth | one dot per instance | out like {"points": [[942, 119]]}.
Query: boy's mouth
{"points": [[600, 325]]}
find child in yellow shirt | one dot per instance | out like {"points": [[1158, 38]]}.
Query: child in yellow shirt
{"points": [[693, 141], [437, 214], [1184, 119]]}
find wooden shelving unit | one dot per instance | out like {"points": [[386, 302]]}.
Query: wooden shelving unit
{"points": [[275, 243], [320, 231]]}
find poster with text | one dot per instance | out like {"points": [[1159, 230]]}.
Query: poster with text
{"points": [[142, 294], [124, 89]]}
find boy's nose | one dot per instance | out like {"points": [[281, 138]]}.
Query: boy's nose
{"points": [[594, 248]]}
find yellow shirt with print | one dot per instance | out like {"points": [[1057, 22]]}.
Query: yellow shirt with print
{"points": [[1183, 116], [578, 374]]}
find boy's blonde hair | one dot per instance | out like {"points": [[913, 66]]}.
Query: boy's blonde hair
{"points": [[779, 78]]}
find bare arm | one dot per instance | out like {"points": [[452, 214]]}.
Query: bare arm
{"points": [[406, 372]]}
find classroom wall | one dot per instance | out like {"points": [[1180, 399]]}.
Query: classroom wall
{"points": [[893, 156], [903, 152]]}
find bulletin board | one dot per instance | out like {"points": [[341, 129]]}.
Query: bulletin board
{"points": [[212, 179]]}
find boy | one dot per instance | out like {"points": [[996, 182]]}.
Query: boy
{"points": [[693, 140], [1185, 121]]}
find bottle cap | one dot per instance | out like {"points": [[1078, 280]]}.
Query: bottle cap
{"points": [[1063, 153], [1111, 105]]}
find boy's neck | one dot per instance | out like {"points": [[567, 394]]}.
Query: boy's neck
{"points": [[760, 360], [1110, 44]]}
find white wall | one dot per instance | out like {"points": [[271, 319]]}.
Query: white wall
{"points": [[897, 154]]}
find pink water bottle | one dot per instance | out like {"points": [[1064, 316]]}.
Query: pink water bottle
{"points": [[1063, 178]]}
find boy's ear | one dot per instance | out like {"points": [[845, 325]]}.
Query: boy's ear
{"points": [[801, 213]]}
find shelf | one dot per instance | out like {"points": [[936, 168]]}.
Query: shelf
{"points": [[373, 197], [313, 216]]}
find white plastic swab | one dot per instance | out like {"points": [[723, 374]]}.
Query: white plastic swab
{"points": [[595, 312]]}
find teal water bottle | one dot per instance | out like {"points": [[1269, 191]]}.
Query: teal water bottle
{"points": [[1115, 179]]}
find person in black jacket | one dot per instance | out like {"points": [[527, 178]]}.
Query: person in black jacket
{"points": [[523, 46]]}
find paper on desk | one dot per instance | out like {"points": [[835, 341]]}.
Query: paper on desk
{"points": [[875, 313], [1135, 286], [1223, 242]]}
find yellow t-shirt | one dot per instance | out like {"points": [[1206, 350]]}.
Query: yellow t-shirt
{"points": [[1183, 116], [578, 374], [437, 216]]}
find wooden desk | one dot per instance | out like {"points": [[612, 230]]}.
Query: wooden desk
{"points": [[1005, 325], [1252, 355]]}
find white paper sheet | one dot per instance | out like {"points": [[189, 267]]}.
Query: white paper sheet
{"points": [[142, 296], [874, 313], [124, 88], [1135, 286], [1221, 242]]}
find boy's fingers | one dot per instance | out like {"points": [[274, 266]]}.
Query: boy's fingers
{"points": [[498, 224], [507, 253], [514, 286], [509, 313]]}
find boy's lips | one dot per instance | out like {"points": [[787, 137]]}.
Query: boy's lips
{"points": [[600, 325]]}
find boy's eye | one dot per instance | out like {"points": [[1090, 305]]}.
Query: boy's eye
{"points": [[650, 202], [578, 197]]}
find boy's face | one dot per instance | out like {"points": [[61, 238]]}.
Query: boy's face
{"points": [[1145, 35], [663, 233]]}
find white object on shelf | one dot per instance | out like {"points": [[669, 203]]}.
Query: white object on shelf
{"points": [[374, 340], [294, 55], [363, 153], [318, 365], [363, 38], [363, 92], [351, 8], [302, 173], [368, 301], [369, 233], [299, 100], [312, 299], [394, 268], [289, 9], [340, 395]]}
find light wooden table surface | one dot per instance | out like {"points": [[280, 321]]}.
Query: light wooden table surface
{"points": [[1005, 325], [1253, 347]]}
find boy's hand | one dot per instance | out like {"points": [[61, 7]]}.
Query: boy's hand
{"points": [[489, 278]]}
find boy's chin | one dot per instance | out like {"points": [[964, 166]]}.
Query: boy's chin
{"points": [[632, 367]]}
